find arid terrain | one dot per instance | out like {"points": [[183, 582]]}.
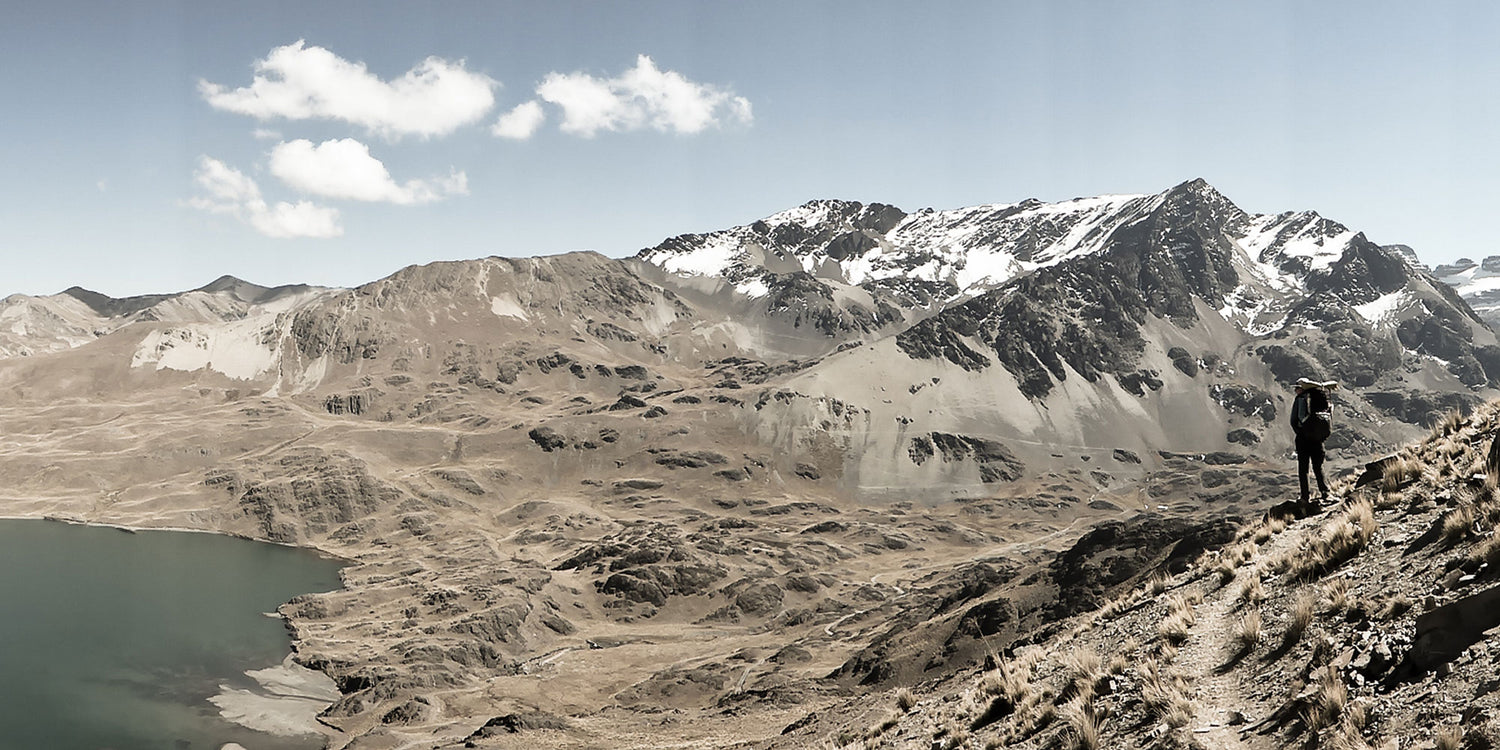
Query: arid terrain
{"points": [[1368, 625], [657, 502]]}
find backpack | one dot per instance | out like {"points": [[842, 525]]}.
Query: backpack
{"points": [[1311, 416]]}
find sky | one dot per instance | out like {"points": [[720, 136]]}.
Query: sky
{"points": [[154, 146]]}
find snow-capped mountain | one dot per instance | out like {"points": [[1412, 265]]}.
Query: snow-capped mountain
{"points": [[1168, 321], [1478, 283], [866, 259]]}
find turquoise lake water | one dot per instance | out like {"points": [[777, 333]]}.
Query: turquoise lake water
{"points": [[113, 639]]}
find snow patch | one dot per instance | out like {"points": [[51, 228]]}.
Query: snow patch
{"points": [[1381, 308], [711, 259], [1254, 315], [1318, 241], [753, 287]]}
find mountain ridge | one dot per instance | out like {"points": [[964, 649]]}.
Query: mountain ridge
{"points": [[580, 494]]}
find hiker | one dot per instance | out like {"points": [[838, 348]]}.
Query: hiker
{"points": [[1312, 420]]}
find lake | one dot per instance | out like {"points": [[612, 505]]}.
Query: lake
{"points": [[116, 639]]}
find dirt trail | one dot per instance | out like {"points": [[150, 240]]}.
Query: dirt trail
{"points": [[1216, 692], [1206, 658]]}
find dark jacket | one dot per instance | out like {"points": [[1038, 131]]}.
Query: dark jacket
{"points": [[1311, 417]]}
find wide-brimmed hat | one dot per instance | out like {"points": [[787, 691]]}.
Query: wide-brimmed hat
{"points": [[1306, 383]]}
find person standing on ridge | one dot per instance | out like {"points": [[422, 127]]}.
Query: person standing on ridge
{"points": [[1312, 421]]}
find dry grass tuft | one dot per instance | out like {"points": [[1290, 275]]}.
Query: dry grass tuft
{"points": [[1116, 606], [1394, 607], [1082, 723], [1329, 699], [1165, 694], [1252, 592], [1398, 472], [1157, 584], [1337, 593], [1179, 621], [885, 726], [1166, 651], [1458, 524], [1084, 670], [1262, 530], [1450, 423], [1450, 738], [1388, 500], [1488, 552], [905, 700], [1340, 539], [1008, 679], [1225, 569], [1179, 714], [1301, 617], [1357, 717], [1248, 632]]}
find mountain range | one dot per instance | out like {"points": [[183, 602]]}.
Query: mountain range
{"points": [[742, 472]]}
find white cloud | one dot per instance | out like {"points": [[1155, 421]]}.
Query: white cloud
{"points": [[232, 193], [298, 82], [642, 97], [227, 184], [266, 134], [344, 168], [300, 219], [520, 123]]}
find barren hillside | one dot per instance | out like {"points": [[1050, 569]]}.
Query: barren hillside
{"points": [[756, 480]]}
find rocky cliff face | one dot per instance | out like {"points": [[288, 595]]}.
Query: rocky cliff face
{"points": [[1191, 252]]}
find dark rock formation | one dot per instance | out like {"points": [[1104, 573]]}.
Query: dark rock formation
{"points": [[1245, 400], [1117, 553], [308, 491], [353, 403], [547, 439], [648, 564], [516, 723], [1421, 407], [996, 463]]}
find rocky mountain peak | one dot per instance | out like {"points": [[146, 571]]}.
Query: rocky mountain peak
{"points": [[1409, 254], [241, 290], [111, 307]]}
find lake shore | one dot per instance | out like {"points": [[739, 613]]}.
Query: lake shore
{"points": [[285, 698]]}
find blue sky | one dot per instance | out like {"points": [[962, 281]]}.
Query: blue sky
{"points": [[141, 156]]}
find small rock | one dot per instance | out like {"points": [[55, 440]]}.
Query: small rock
{"points": [[1344, 659], [1362, 662]]}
